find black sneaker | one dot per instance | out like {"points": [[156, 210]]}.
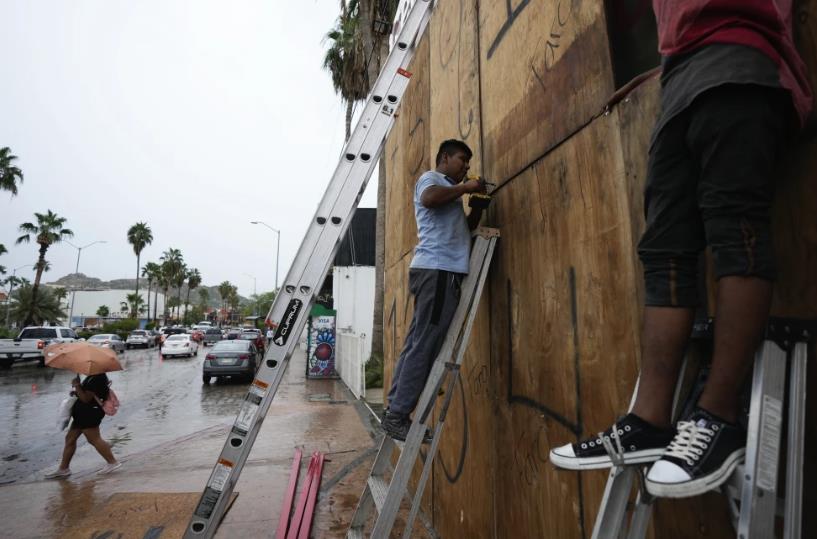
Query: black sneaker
{"points": [[397, 426], [635, 440], [700, 458]]}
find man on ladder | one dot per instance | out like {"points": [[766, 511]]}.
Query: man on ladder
{"points": [[436, 271], [733, 87]]}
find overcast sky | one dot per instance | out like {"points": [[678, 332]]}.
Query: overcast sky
{"points": [[195, 116]]}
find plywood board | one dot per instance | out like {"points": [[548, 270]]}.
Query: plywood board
{"points": [[407, 158], [545, 71], [565, 327], [463, 478]]}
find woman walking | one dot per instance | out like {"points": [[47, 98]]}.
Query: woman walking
{"points": [[86, 416]]}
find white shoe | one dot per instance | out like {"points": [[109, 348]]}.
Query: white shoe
{"points": [[59, 472], [108, 468]]}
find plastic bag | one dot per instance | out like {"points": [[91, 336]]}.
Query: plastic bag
{"points": [[111, 405], [64, 412]]}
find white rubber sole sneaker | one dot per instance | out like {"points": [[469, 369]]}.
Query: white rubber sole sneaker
{"points": [[564, 457], [108, 468], [692, 487], [56, 474]]}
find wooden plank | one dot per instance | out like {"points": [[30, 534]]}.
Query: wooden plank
{"points": [[407, 158], [462, 479], [565, 327], [545, 71]]}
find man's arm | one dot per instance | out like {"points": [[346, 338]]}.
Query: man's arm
{"points": [[438, 195]]}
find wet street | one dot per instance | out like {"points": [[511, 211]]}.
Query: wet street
{"points": [[161, 400]]}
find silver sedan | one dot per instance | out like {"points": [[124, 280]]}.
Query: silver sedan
{"points": [[108, 340]]}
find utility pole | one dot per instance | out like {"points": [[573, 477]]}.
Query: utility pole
{"points": [[76, 270], [277, 248]]}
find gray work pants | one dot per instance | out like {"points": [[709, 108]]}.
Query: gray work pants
{"points": [[436, 296]]}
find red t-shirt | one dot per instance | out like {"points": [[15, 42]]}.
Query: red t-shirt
{"points": [[687, 25]]}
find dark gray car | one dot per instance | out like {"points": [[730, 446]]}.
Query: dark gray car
{"points": [[212, 336], [230, 358]]}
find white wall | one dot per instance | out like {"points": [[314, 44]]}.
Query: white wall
{"points": [[353, 291]]}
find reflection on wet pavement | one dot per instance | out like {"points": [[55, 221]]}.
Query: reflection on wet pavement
{"points": [[160, 400]]}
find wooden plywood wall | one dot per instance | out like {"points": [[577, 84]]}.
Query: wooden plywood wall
{"points": [[555, 350]]}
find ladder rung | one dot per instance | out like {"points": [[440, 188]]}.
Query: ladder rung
{"points": [[379, 488], [354, 533]]}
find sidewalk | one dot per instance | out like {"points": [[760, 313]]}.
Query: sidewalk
{"points": [[314, 415]]}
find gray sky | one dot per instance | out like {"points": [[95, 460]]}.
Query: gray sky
{"points": [[195, 116]]}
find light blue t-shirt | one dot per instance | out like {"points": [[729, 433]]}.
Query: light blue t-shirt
{"points": [[444, 238]]}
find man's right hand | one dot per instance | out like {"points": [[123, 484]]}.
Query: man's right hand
{"points": [[474, 186]]}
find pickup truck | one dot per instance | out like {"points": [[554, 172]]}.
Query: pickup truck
{"points": [[30, 343]]}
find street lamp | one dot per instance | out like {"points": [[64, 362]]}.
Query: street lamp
{"points": [[11, 289], [255, 295], [76, 270], [277, 248]]}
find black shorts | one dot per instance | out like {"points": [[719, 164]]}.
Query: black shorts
{"points": [[710, 182], [86, 416]]}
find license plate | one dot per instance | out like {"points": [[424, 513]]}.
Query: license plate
{"points": [[225, 361]]}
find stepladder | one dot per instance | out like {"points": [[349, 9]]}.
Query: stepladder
{"points": [[387, 486], [312, 262], [755, 499]]}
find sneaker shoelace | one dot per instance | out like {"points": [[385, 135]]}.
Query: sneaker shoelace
{"points": [[690, 442]]}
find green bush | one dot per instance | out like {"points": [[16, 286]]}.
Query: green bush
{"points": [[374, 371], [8, 333], [121, 327], [150, 325]]}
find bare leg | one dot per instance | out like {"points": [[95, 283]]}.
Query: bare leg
{"points": [[103, 448], [71, 438], [741, 315], [666, 332]]}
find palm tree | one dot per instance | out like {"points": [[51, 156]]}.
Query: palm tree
{"points": [[35, 309], [204, 298], [345, 59], [139, 236], [136, 302], [224, 293], [151, 272], [103, 311], [9, 174], [193, 281], [48, 231], [172, 263]]}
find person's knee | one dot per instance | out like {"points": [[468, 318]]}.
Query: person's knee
{"points": [[670, 277], [741, 245]]}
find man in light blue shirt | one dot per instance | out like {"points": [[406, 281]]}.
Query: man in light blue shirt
{"points": [[439, 264]]}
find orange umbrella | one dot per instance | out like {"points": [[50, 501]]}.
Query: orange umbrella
{"points": [[82, 358]]}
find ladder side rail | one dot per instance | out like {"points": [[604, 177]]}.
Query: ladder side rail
{"points": [[381, 465], [430, 456], [796, 441], [758, 496], [405, 464], [640, 519]]}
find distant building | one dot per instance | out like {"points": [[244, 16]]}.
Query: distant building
{"points": [[88, 302]]}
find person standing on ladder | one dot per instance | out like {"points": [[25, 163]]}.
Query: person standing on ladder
{"points": [[440, 262], [733, 90]]}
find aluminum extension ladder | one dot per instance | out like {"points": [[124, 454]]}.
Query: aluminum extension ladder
{"points": [[292, 303], [752, 489], [382, 494]]}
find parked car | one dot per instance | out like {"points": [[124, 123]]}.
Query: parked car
{"points": [[197, 335], [212, 336], [140, 337], [232, 334], [230, 358], [30, 343], [255, 336], [108, 340], [179, 344]]}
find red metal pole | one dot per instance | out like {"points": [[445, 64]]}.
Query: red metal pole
{"points": [[289, 497], [299, 511], [306, 523]]}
